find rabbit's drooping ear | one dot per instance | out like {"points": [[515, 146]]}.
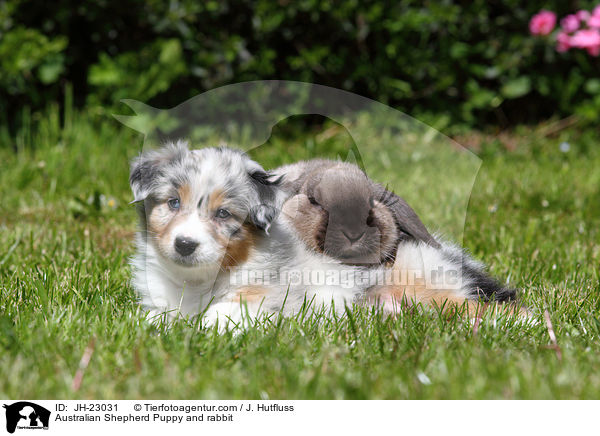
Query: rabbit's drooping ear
{"points": [[407, 221], [148, 168], [266, 208]]}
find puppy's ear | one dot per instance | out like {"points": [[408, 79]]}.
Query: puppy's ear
{"points": [[266, 209], [148, 167], [262, 216], [143, 171]]}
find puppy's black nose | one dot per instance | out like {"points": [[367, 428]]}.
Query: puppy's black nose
{"points": [[185, 246]]}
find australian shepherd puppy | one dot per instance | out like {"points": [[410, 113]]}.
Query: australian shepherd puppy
{"points": [[211, 242]]}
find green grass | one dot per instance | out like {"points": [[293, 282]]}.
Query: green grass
{"points": [[65, 236]]}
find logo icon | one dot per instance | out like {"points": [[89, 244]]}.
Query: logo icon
{"points": [[26, 415]]}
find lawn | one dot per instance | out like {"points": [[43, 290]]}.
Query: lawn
{"points": [[65, 237]]}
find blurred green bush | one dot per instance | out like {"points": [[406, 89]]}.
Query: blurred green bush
{"points": [[474, 62]]}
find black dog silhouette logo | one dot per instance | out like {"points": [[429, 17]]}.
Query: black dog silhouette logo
{"points": [[26, 415]]}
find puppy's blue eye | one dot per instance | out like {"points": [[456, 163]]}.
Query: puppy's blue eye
{"points": [[222, 213], [173, 203]]}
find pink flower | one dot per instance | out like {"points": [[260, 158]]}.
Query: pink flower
{"points": [[570, 23], [588, 39], [585, 38], [596, 10], [542, 23], [563, 42], [594, 21], [583, 15]]}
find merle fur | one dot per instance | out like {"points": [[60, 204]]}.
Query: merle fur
{"points": [[485, 287]]}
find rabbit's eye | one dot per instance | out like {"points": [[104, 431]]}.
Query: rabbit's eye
{"points": [[371, 219]]}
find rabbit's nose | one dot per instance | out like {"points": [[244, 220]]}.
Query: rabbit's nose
{"points": [[353, 237]]}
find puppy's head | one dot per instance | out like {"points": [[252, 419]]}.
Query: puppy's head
{"points": [[203, 207]]}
